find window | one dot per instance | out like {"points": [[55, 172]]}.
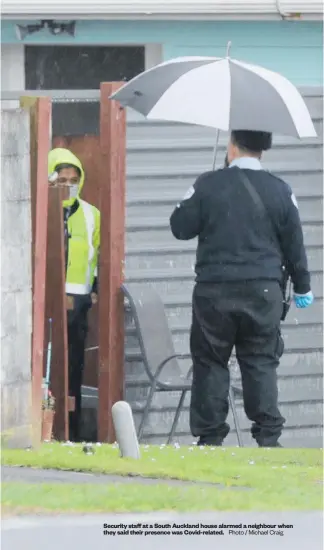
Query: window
{"points": [[79, 68]]}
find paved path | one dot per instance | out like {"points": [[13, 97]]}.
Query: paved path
{"points": [[37, 475], [84, 532]]}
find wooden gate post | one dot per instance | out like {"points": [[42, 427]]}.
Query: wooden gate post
{"points": [[40, 110], [56, 310], [112, 258]]}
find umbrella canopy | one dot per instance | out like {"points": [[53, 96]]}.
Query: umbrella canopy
{"points": [[221, 93]]}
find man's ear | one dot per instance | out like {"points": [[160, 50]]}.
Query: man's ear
{"points": [[230, 152]]}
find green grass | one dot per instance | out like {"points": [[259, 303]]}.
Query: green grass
{"points": [[279, 479]]}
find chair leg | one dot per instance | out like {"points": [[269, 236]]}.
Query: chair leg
{"points": [[236, 420], [176, 416], [146, 412]]}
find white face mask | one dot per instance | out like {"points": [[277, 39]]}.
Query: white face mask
{"points": [[73, 191]]}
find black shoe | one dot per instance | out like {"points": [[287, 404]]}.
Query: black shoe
{"points": [[209, 443], [277, 445]]}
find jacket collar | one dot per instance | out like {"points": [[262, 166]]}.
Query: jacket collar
{"points": [[248, 163]]}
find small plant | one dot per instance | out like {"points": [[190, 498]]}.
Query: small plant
{"points": [[49, 402]]}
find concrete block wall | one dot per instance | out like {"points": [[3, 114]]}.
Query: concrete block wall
{"points": [[16, 279]]}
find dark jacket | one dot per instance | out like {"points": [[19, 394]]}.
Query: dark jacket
{"points": [[234, 242]]}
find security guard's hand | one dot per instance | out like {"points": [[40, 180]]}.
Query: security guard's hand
{"points": [[304, 300], [94, 298]]}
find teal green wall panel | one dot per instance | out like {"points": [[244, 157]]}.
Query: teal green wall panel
{"points": [[293, 48]]}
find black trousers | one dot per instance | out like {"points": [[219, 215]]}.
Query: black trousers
{"points": [[245, 315], [77, 335]]}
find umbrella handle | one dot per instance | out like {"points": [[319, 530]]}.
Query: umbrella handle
{"points": [[215, 149], [228, 48]]}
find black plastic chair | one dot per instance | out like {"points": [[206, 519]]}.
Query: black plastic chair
{"points": [[158, 353]]}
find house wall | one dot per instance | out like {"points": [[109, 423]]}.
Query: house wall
{"points": [[163, 160], [12, 71], [293, 48]]}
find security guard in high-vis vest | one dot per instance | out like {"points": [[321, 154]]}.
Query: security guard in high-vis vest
{"points": [[82, 241]]}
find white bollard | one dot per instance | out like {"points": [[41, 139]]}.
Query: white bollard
{"points": [[125, 430]]}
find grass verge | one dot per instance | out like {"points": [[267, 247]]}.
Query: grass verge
{"points": [[138, 498], [280, 479]]}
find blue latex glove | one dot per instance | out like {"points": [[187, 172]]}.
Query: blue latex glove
{"points": [[304, 300]]}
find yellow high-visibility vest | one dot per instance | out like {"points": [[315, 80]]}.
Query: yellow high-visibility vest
{"points": [[84, 241]]}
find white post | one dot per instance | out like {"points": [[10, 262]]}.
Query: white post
{"points": [[125, 430]]}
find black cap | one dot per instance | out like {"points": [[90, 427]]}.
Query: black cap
{"points": [[249, 140]]}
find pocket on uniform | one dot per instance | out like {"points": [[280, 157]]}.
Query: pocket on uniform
{"points": [[280, 345]]}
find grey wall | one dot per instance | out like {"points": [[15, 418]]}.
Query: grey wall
{"points": [[162, 162], [16, 280]]}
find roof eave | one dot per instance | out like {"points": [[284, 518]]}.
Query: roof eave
{"points": [[211, 16]]}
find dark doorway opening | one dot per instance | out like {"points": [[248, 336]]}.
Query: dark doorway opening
{"points": [[79, 68]]}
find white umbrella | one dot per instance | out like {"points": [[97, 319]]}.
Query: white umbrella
{"points": [[221, 93]]}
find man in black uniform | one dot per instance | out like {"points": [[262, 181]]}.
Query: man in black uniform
{"points": [[238, 299]]}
